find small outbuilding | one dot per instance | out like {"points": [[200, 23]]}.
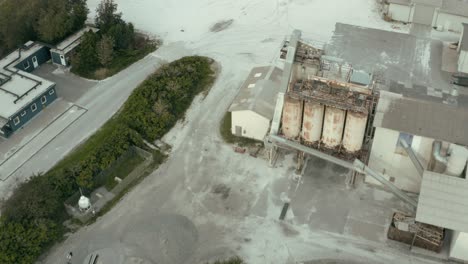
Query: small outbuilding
{"points": [[61, 54], [253, 108], [22, 94]]}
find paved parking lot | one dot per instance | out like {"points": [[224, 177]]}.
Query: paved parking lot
{"points": [[322, 201], [69, 86]]}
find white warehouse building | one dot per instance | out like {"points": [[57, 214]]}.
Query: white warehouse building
{"points": [[252, 109], [446, 15]]}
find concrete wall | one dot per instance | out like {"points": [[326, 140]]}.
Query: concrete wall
{"points": [[449, 22], [458, 246], [253, 125], [385, 159], [463, 61], [26, 114], [401, 13], [42, 55]]}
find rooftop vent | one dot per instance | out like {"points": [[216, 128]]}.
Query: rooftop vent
{"points": [[28, 45]]}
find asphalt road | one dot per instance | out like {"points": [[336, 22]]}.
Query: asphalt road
{"points": [[102, 102]]}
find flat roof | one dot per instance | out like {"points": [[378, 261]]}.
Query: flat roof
{"points": [[443, 201], [18, 92], [72, 41], [259, 91], [397, 58]]}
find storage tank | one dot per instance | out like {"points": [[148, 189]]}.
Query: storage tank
{"points": [[457, 160], [312, 121], [333, 126], [292, 117], [355, 129]]}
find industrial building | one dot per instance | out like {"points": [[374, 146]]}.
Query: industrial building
{"points": [[401, 124], [445, 15], [252, 109], [61, 54], [22, 94]]}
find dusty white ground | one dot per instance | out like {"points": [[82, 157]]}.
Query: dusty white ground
{"points": [[174, 216]]}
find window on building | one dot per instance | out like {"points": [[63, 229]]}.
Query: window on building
{"points": [[43, 99], [51, 92], [25, 64], [23, 113], [33, 107], [16, 121], [406, 137]]}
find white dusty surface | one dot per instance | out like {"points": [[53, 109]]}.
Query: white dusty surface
{"points": [[174, 216]]}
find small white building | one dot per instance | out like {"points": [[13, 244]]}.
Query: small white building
{"points": [[463, 50], [446, 15], [252, 109]]}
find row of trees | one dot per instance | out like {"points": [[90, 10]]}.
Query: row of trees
{"points": [[116, 37], [32, 217], [46, 20]]}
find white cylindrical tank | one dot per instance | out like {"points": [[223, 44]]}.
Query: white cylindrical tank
{"points": [[312, 121], [84, 203], [355, 129], [333, 126], [457, 160], [292, 117]]}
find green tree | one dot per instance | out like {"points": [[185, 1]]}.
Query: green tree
{"points": [[79, 13], [107, 15], [17, 22], [54, 22], [123, 34], [105, 50], [87, 59]]}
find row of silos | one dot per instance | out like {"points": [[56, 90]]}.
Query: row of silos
{"points": [[316, 122]]}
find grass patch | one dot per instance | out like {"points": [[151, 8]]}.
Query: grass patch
{"points": [[228, 137], [122, 170]]}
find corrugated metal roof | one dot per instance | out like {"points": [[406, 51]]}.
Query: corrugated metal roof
{"points": [[422, 117], [259, 92], [443, 201], [464, 40]]}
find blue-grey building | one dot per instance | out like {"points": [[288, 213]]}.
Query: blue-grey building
{"points": [[61, 54], [22, 94]]}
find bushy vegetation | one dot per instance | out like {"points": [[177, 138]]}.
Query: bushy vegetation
{"points": [[47, 20], [113, 48], [32, 217]]}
